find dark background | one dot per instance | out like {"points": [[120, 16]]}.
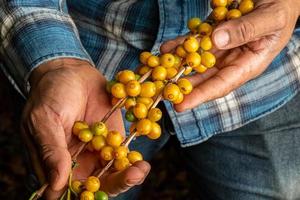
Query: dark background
{"points": [[167, 181]]}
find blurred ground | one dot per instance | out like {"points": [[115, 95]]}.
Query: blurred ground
{"points": [[167, 180]]}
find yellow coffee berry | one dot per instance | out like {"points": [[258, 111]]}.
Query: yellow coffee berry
{"points": [[188, 70], [143, 126], [92, 184], [217, 3], [118, 90], [185, 86], [99, 128], [177, 61], [133, 88], [205, 29], [219, 13], [246, 6], [193, 59], [167, 60], [171, 72], [130, 102], [140, 110], [134, 156], [191, 44], [193, 23], [144, 57], [153, 61], [171, 92], [233, 14], [121, 164], [147, 101], [208, 59], [155, 132], [200, 69], [179, 99], [154, 114], [148, 89], [76, 186], [114, 138], [159, 85], [120, 152], [85, 135], [98, 142], [180, 51], [78, 126], [159, 73], [126, 76], [143, 70], [107, 153], [87, 195], [206, 43]]}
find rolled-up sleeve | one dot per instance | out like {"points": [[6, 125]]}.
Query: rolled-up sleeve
{"points": [[33, 32]]}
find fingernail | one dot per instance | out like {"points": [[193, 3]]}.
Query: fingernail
{"points": [[132, 182], [222, 38]]}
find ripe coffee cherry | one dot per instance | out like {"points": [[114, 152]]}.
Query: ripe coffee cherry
{"points": [[98, 142], [140, 110], [109, 84], [206, 43], [133, 88], [159, 85], [177, 61], [92, 184], [100, 195], [121, 164], [179, 99], [171, 72], [130, 102], [159, 73], [78, 126], [167, 60], [154, 114], [246, 6], [87, 195], [143, 70], [120, 152], [144, 126], [118, 90], [200, 69], [233, 14], [188, 70], [217, 3], [205, 29], [85, 135], [148, 89], [76, 186], [180, 51], [107, 153], [126, 76], [134, 156], [155, 132], [114, 138], [191, 44], [147, 101], [193, 59], [144, 57], [99, 128], [193, 23], [219, 13], [185, 86], [171, 92], [153, 61], [208, 59]]}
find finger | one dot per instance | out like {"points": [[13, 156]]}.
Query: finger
{"points": [[170, 45], [250, 27], [120, 182], [49, 134]]}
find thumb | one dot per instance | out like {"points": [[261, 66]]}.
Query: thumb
{"points": [[261, 22]]}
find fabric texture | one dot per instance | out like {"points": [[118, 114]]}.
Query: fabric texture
{"points": [[111, 34]]}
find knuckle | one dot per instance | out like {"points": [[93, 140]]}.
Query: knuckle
{"points": [[246, 30]]}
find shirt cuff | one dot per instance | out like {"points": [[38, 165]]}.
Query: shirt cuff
{"points": [[36, 38]]}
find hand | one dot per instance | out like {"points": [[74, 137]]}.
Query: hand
{"points": [[64, 91], [244, 49]]}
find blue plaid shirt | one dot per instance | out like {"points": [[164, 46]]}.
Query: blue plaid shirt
{"points": [[111, 34]]}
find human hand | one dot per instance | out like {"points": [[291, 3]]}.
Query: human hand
{"points": [[64, 91], [244, 48]]}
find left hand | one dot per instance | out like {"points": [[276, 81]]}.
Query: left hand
{"points": [[244, 49]]}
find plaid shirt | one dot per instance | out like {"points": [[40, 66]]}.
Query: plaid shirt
{"points": [[111, 34]]}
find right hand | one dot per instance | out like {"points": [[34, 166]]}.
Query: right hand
{"points": [[64, 91]]}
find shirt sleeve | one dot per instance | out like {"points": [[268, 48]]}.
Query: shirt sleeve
{"points": [[33, 32]]}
